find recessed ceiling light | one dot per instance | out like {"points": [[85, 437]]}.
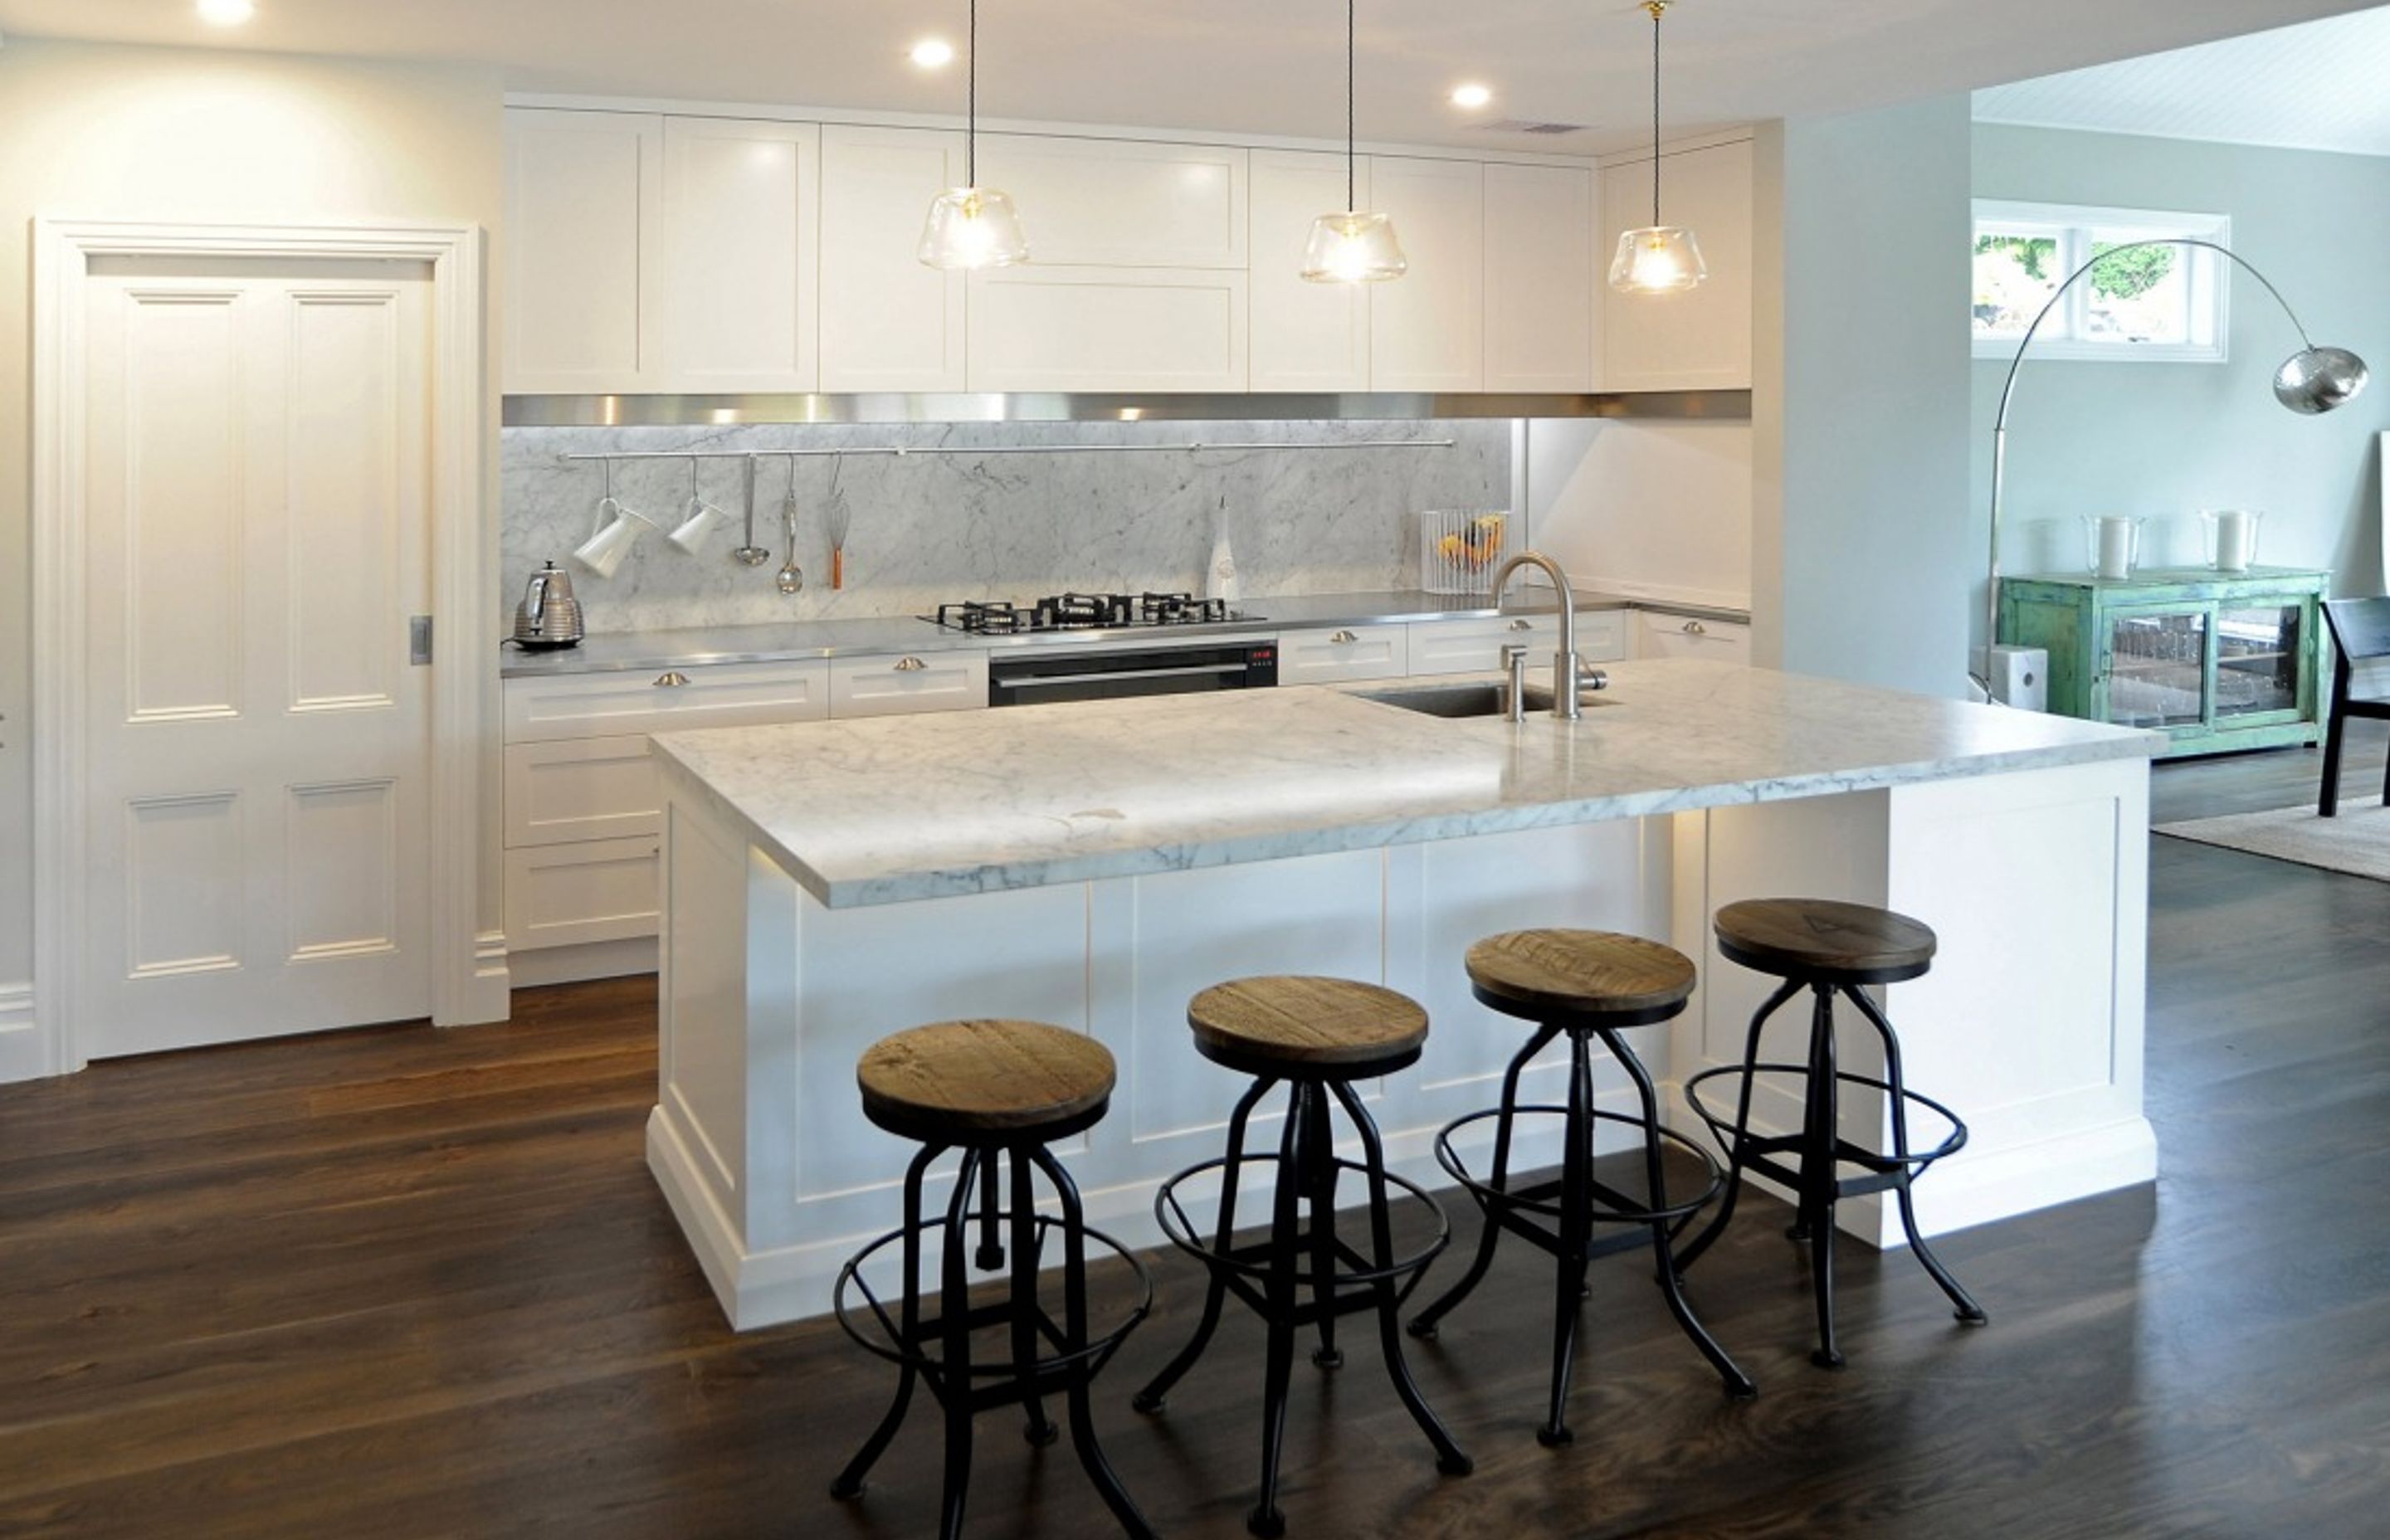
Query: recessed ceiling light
{"points": [[1472, 96], [933, 53], [226, 13]]}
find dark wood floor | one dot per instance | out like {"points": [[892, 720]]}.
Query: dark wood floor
{"points": [[400, 1282]]}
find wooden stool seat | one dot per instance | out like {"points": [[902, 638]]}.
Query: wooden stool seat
{"points": [[1292, 1027], [1621, 980], [982, 1082], [1822, 941]]}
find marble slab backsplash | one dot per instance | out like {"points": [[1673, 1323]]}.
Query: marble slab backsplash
{"points": [[927, 528]]}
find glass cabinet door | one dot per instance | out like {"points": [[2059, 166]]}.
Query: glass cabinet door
{"points": [[2157, 668], [2257, 653]]}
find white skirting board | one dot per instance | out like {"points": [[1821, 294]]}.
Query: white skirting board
{"points": [[573, 965], [21, 1050], [2030, 1023]]}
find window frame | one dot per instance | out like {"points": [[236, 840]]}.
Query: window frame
{"points": [[2074, 225]]}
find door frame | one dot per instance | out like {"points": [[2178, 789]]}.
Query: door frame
{"points": [[469, 971]]}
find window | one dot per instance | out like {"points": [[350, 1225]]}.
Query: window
{"points": [[2145, 304]]}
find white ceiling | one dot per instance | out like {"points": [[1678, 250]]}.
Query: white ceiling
{"points": [[1256, 67], [2321, 85]]}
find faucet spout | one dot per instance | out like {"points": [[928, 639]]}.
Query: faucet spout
{"points": [[1567, 667]]}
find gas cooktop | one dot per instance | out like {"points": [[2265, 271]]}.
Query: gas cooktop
{"points": [[1084, 612]]}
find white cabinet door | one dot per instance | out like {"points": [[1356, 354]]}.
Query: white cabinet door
{"points": [[894, 687], [1677, 636], [736, 306], [571, 788], [1695, 340], [712, 695], [583, 225], [1122, 203], [1539, 278], [1427, 328], [1041, 328], [1306, 336], [1329, 657], [887, 322], [591, 891]]}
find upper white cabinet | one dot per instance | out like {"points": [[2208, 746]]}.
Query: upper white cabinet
{"points": [[739, 282], [1695, 340], [1306, 336], [583, 193], [1427, 329], [1122, 203], [1539, 278], [887, 322], [1164, 329]]}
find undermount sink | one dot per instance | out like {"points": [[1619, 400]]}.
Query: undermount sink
{"points": [[1460, 702]]}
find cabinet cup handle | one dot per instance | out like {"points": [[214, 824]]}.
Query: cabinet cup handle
{"points": [[671, 678], [1695, 628], [1344, 637], [1523, 625], [910, 665]]}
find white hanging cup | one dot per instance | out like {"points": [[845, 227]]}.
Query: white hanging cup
{"points": [[618, 530], [703, 519]]}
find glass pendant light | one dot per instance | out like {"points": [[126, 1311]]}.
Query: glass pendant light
{"points": [[1659, 259], [971, 225], [1351, 246]]}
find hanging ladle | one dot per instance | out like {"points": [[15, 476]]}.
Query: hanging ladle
{"points": [[750, 554]]}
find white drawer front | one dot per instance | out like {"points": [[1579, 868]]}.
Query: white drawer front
{"points": [[565, 895], [712, 695], [580, 789], [1476, 647], [924, 682], [1347, 652], [1677, 636]]}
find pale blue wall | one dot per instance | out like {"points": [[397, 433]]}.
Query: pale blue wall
{"points": [[1859, 537], [2166, 440]]}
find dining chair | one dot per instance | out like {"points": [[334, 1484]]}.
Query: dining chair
{"points": [[2360, 633]]}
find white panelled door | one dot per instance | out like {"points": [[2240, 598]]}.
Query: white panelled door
{"points": [[257, 444]]}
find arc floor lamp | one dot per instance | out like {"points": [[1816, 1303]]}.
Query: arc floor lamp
{"points": [[2311, 381]]}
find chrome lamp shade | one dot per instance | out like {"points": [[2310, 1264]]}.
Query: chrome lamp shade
{"points": [[2314, 380], [1352, 246]]}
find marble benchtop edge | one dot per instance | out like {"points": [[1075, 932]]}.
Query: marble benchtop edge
{"points": [[1305, 836], [874, 636]]}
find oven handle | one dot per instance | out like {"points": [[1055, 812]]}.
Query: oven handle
{"points": [[1010, 682]]}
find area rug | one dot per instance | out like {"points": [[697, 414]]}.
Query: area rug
{"points": [[2357, 842]]}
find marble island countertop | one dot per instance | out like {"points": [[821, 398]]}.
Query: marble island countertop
{"points": [[890, 809], [879, 635]]}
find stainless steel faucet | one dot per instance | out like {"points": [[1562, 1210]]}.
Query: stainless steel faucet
{"points": [[1568, 669]]}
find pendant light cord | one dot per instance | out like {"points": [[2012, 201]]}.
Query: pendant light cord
{"points": [[1656, 8], [1352, 27], [970, 122]]}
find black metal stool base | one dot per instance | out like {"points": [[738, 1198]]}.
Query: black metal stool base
{"points": [[1821, 1151], [1558, 1217], [1303, 1274], [1046, 1356]]}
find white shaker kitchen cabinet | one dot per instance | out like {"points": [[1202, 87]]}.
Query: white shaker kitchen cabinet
{"points": [[574, 894], [1476, 647], [1539, 278], [887, 322], [1681, 637], [1427, 328], [563, 789], [633, 701], [1041, 328], [1306, 336], [738, 296], [1122, 203], [1697, 341], [908, 684], [1343, 653], [582, 238]]}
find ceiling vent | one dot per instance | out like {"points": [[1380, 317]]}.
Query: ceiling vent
{"points": [[1526, 125]]}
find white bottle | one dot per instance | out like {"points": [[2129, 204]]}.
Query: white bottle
{"points": [[1220, 578]]}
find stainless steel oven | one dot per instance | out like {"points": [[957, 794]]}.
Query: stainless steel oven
{"points": [[1036, 676]]}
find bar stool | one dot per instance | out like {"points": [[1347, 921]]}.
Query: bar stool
{"points": [[1829, 948], [1588, 984], [1000, 1092], [1317, 1036]]}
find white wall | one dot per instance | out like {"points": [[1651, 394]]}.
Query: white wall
{"points": [[1861, 559], [1655, 509], [98, 131]]}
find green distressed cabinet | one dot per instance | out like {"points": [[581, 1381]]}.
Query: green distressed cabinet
{"points": [[2216, 661]]}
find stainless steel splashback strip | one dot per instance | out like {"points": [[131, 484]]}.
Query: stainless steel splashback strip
{"points": [[902, 451], [723, 411]]}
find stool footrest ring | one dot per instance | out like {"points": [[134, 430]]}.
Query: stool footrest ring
{"points": [[1722, 1127], [1251, 1262], [1541, 1197]]}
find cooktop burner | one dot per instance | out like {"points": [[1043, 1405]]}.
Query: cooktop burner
{"points": [[1083, 612]]}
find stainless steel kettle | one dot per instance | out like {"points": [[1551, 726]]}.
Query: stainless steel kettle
{"points": [[548, 615]]}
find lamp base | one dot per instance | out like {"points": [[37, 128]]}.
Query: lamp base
{"points": [[2019, 677]]}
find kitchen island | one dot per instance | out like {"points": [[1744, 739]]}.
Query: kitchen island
{"points": [[1095, 864]]}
